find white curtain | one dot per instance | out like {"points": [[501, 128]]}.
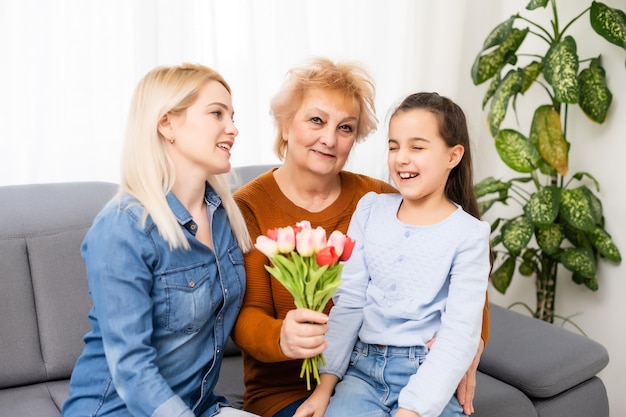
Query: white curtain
{"points": [[69, 68]]}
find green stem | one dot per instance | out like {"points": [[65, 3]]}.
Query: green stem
{"points": [[538, 26], [575, 19], [546, 289]]}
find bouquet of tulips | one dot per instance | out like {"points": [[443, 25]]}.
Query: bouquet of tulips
{"points": [[308, 265]]}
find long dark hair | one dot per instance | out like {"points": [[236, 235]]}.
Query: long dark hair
{"points": [[453, 130]]}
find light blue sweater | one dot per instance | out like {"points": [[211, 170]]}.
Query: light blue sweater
{"points": [[405, 284]]}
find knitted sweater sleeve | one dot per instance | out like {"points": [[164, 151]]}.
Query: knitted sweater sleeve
{"points": [[256, 331]]}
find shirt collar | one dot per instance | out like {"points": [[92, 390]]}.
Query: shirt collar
{"points": [[181, 213]]}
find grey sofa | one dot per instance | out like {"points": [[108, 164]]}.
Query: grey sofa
{"points": [[529, 368]]}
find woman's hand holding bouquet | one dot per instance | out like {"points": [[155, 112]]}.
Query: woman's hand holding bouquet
{"points": [[308, 265]]}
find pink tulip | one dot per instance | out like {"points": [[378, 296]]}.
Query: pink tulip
{"points": [[326, 256], [337, 240], [319, 239], [303, 224], [267, 246], [286, 239], [304, 242]]}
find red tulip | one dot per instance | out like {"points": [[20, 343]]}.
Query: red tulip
{"points": [[326, 256], [347, 249], [272, 233]]}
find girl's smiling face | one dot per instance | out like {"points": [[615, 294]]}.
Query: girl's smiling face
{"points": [[419, 159]]}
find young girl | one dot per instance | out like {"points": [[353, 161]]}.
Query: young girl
{"points": [[419, 270]]}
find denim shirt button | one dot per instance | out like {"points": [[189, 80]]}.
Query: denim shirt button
{"points": [[226, 290], [192, 284], [192, 227]]}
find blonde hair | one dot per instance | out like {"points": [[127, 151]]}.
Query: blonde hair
{"points": [[147, 171], [321, 73]]}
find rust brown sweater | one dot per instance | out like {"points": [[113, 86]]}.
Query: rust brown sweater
{"points": [[273, 380]]}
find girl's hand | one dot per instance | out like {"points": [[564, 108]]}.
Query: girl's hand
{"points": [[317, 403], [314, 406], [302, 333], [403, 412]]}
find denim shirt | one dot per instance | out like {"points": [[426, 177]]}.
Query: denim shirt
{"points": [[160, 318]]}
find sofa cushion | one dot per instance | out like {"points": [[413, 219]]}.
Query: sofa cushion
{"points": [[560, 359], [494, 398], [37, 400], [20, 354], [43, 288], [583, 400], [230, 383]]}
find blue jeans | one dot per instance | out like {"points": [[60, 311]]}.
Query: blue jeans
{"points": [[289, 410], [374, 379]]}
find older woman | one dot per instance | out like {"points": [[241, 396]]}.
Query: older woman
{"points": [[321, 111]]}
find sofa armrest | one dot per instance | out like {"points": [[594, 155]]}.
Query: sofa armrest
{"points": [[538, 358]]}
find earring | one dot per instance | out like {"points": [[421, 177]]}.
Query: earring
{"points": [[172, 139]]}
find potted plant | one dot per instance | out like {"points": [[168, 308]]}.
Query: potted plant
{"points": [[560, 219]]}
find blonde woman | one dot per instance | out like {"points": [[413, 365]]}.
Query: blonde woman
{"points": [[164, 259]]}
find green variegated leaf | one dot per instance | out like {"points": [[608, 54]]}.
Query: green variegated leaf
{"points": [[501, 277], [579, 260], [495, 224], [560, 69], [487, 66], [549, 238], [580, 175], [490, 64], [516, 235], [604, 244], [546, 168], [542, 164], [493, 85], [516, 151], [521, 180], [485, 205], [490, 185], [499, 34], [595, 205], [595, 96], [527, 268], [577, 237], [576, 209], [535, 4], [509, 86], [592, 283], [547, 132], [577, 278], [529, 254], [543, 206], [531, 71], [529, 264], [609, 23]]}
